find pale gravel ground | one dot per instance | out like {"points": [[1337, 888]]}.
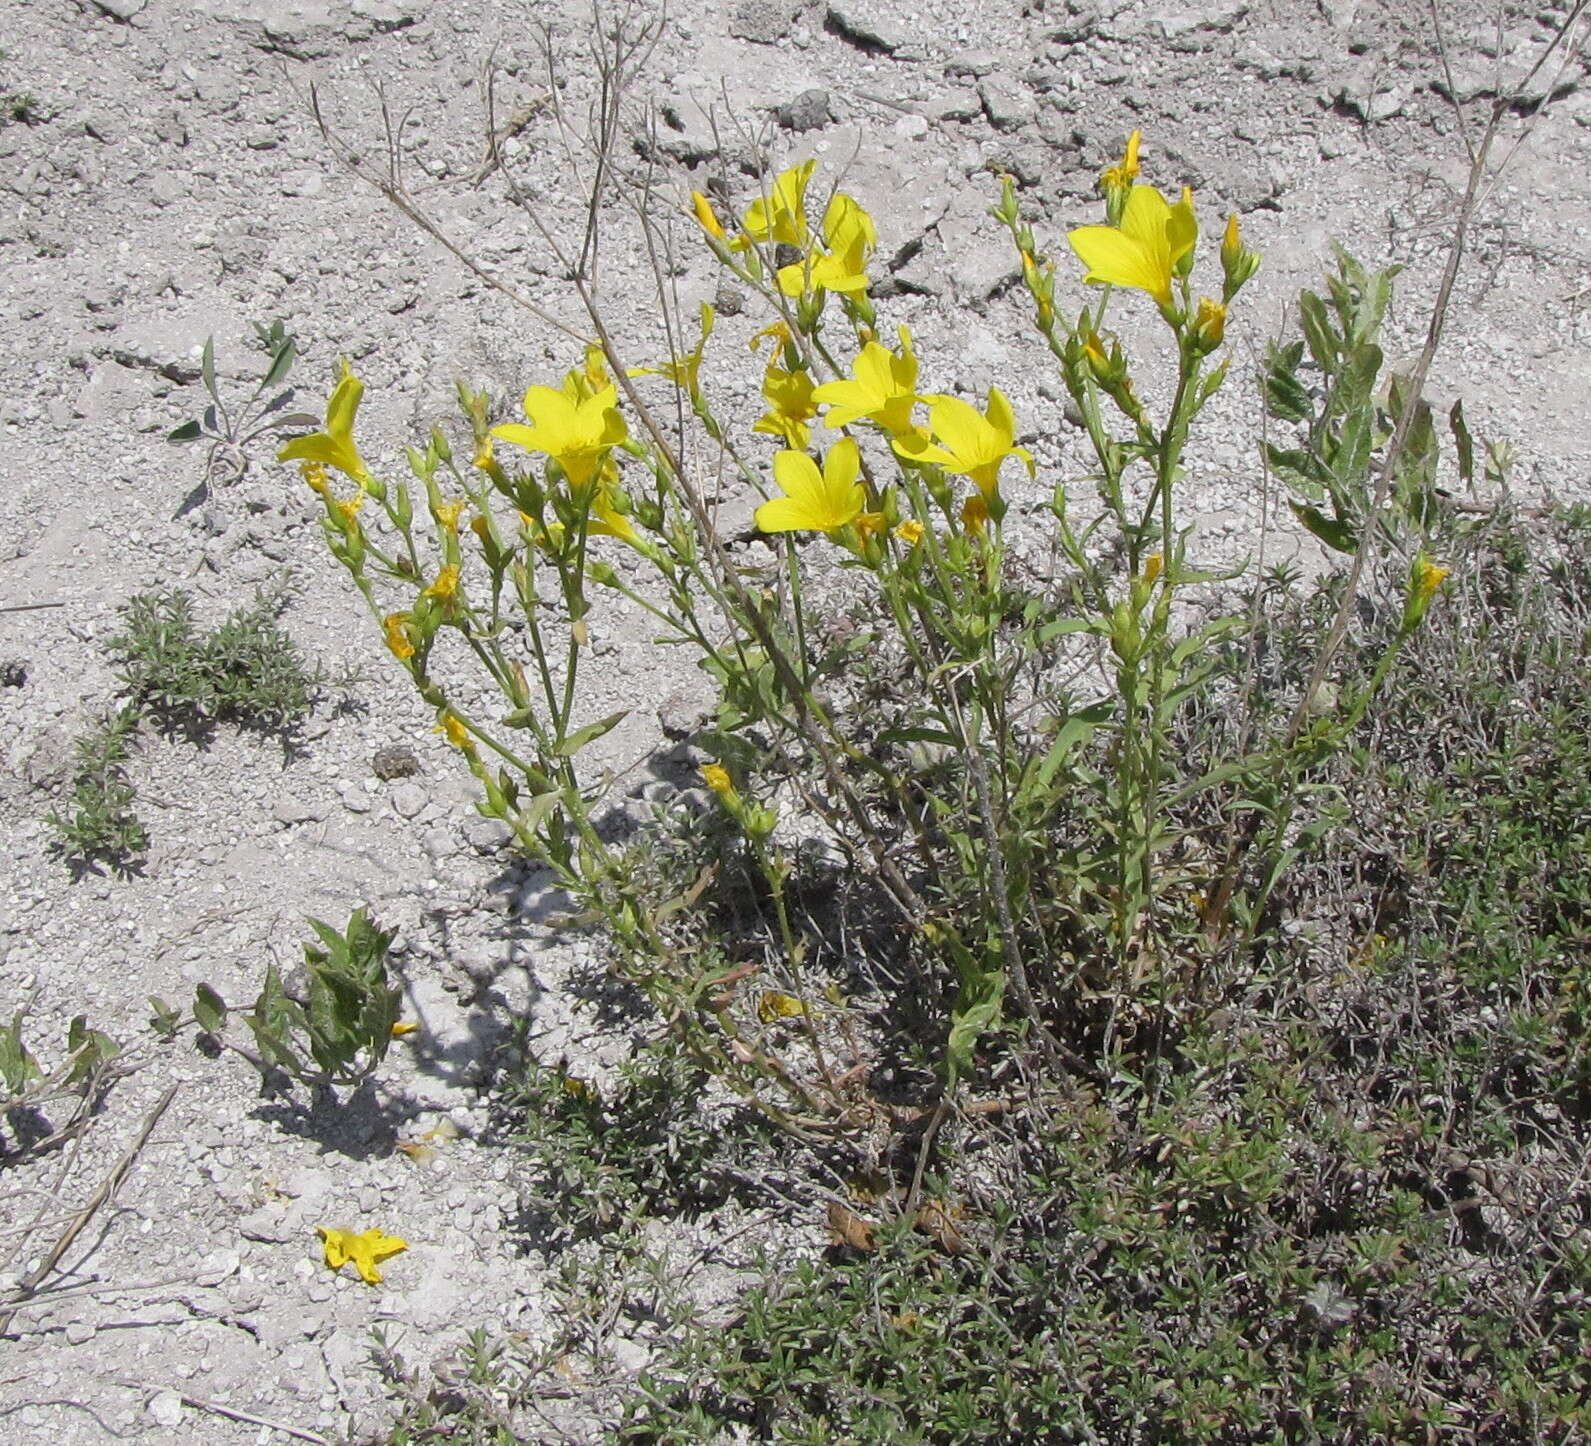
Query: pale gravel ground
{"points": [[175, 187]]}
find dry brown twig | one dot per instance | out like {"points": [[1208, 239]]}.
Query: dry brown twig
{"points": [[28, 1286]]}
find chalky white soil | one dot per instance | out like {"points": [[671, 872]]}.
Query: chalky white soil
{"points": [[172, 185]]}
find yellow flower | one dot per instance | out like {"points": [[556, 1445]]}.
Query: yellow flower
{"points": [[334, 447], [883, 389], [1152, 566], [910, 532], [348, 510], [870, 524], [814, 501], [850, 237], [608, 520], [705, 217], [446, 586], [452, 727], [403, 1027], [314, 474], [973, 443], [448, 513], [772, 1005], [717, 778], [1146, 249], [975, 514], [794, 404], [576, 434], [780, 216], [778, 333], [684, 371], [1429, 576], [483, 458], [1425, 577], [366, 1250], [395, 626]]}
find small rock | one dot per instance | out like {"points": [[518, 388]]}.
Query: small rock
{"points": [[395, 761], [13, 672], [79, 1332], [1009, 105], [809, 111], [289, 811], [122, 10], [729, 299], [976, 63], [764, 22], [353, 797], [870, 26], [165, 1410], [486, 835], [408, 799], [218, 1265], [911, 127], [303, 183], [1192, 27]]}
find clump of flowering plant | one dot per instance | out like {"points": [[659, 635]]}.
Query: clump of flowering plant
{"points": [[1022, 838]]}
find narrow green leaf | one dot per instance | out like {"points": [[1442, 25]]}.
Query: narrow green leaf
{"points": [[281, 363], [207, 368], [918, 735], [187, 432], [1334, 532], [1464, 442], [574, 742], [1072, 735], [1064, 627]]}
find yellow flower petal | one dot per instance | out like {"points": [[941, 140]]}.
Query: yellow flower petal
{"points": [[815, 501], [365, 1249], [334, 447]]}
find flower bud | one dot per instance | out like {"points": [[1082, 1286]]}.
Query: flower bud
{"points": [[1425, 577], [703, 210], [1209, 326], [1238, 263]]}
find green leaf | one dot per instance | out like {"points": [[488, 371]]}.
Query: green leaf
{"points": [[1318, 331], [1464, 442], [1288, 398], [574, 742], [1071, 735], [187, 432], [977, 1011], [1297, 465], [918, 735], [1066, 626], [88, 1049], [1356, 383], [17, 1066], [1334, 532], [281, 363], [1350, 456], [207, 368], [275, 1020], [164, 1020], [209, 1010]]}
